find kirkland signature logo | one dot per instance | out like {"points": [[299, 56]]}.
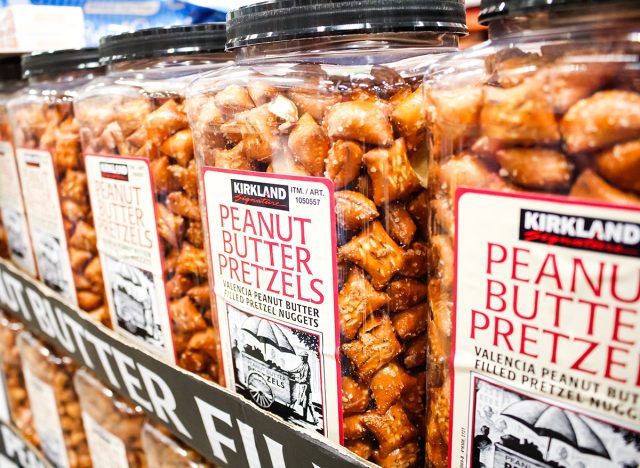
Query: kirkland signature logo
{"points": [[260, 194], [580, 232], [114, 171]]}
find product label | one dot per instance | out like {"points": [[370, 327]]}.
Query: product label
{"points": [[13, 212], [38, 177], [272, 245], [547, 333], [107, 450], [46, 419], [124, 213]]}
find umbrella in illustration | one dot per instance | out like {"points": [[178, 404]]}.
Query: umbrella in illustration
{"points": [[557, 423], [268, 333]]}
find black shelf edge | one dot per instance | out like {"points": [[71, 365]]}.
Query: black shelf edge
{"points": [[19, 451], [225, 428]]}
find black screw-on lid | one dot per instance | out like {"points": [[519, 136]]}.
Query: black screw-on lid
{"points": [[10, 69], [283, 20], [163, 42], [59, 61], [496, 9]]}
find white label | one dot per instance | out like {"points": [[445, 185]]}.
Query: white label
{"points": [[46, 419], [5, 413], [38, 177], [272, 243], [547, 333], [107, 450], [13, 212], [123, 205]]}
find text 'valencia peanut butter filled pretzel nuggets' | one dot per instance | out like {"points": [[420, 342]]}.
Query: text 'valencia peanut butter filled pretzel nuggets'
{"points": [[15, 239], [534, 225], [144, 190], [315, 220], [53, 178]]}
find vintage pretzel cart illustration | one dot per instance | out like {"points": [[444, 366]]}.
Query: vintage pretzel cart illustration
{"points": [[132, 296], [266, 381], [553, 423]]}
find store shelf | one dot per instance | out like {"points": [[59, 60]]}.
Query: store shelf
{"points": [[223, 427], [14, 449]]}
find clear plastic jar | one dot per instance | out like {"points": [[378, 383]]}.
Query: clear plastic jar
{"points": [[52, 174], [54, 402], [15, 240], [163, 449], [113, 426], [315, 217], [144, 191], [534, 190], [19, 407]]}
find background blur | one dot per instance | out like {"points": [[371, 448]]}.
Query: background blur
{"points": [[30, 25]]}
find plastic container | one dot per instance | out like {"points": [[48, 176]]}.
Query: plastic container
{"points": [[54, 402], [534, 177], [52, 173], [163, 449], [113, 426], [15, 241], [316, 231], [142, 179], [16, 391]]}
